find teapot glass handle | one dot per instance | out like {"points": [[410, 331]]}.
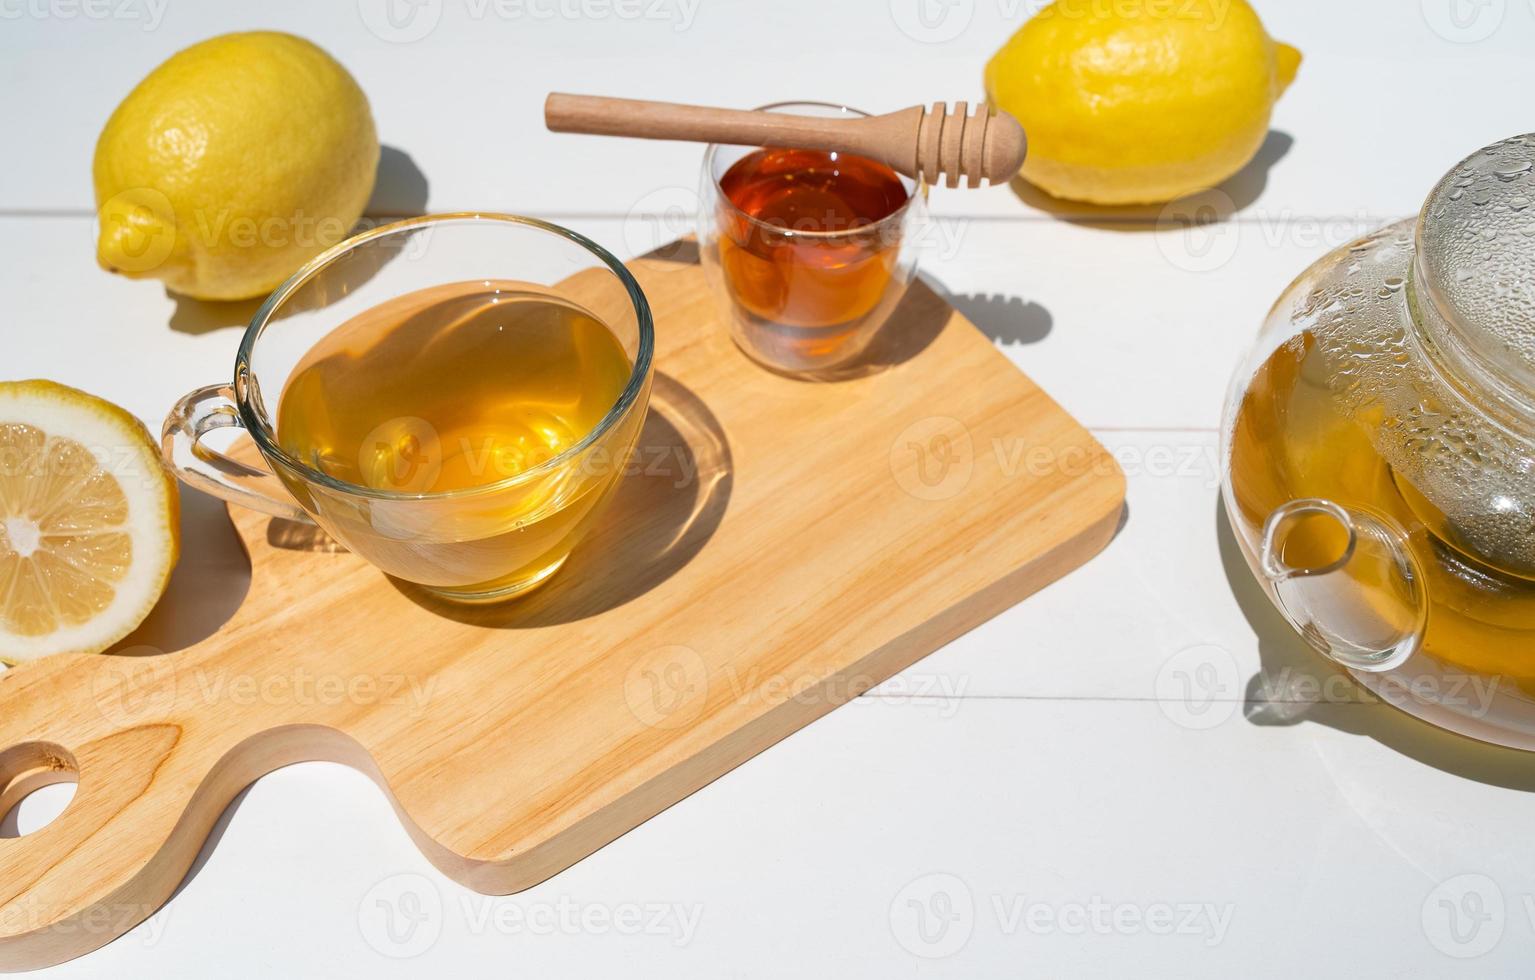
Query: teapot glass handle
{"points": [[1348, 581]]}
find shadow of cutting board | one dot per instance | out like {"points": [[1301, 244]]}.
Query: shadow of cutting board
{"points": [[774, 549]]}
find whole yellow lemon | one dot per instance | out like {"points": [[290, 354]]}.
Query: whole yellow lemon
{"points": [[1140, 101], [232, 164]]}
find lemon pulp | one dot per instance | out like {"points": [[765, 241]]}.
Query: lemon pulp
{"points": [[88, 522]]}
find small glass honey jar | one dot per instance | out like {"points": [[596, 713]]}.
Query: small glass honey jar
{"points": [[809, 251]]}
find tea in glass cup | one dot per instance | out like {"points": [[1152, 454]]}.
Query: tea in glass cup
{"points": [[454, 399]]}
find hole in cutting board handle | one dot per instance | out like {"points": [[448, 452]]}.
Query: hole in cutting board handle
{"points": [[27, 768]]}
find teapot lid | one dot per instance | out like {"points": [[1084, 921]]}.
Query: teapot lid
{"points": [[1475, 268]]}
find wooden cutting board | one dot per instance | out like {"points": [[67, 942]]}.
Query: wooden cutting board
{"points": [[777, 548]]}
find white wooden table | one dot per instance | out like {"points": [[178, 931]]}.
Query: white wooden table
{"points": [[1137, 771]]}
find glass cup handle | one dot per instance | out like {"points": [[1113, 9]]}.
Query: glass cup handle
{"points": [[200, 412]]}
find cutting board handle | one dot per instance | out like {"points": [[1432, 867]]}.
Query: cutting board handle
{"points": [[136, 787], [147, 798], [153, 778]]}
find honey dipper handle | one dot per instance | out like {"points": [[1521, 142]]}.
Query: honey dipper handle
{"points": [[983, 146], [603, 116]]}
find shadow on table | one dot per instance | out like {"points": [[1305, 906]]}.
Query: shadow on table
{"points": [[682, 251], [1008, 320], [915, 323], [1231, 197], [215, 835], [1284, 655], [399, 191], [206, 589]]}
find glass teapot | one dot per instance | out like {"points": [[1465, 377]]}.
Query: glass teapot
{"points": [[1379, 451]]}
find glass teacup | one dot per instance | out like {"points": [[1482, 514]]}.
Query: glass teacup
{"points": [[452, 397]]}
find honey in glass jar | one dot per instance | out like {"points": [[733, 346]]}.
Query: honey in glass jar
{"points": [[810, 250]]}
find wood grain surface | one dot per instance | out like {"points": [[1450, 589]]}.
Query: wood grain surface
{"points": [[775, 548]]}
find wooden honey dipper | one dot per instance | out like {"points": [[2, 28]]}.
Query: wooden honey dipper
{"points": [[919, 142]]}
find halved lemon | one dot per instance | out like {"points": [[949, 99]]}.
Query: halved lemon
{"points": [[89, 526]]}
